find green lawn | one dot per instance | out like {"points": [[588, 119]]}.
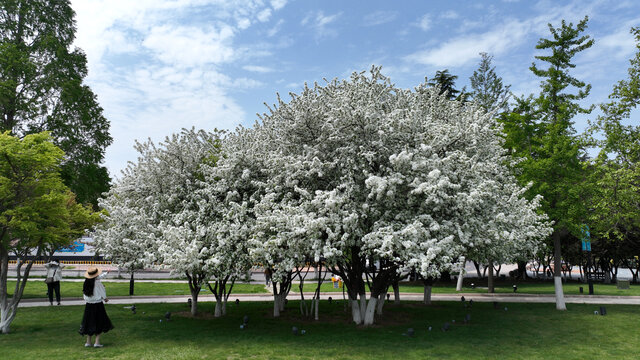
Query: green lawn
{"points": [[525, 331], [38, 289], [529, 287]]}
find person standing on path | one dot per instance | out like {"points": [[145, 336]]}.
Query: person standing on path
{"points": [[54, 276], [95, 320]]}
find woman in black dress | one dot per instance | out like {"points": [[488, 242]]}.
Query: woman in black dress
{"points": [[95, 320]]}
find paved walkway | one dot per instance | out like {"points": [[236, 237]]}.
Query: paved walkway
{"points": [[503, 298]]}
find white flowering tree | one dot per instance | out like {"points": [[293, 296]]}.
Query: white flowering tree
{"points": [[173, 219], [122, 237], [379, 180]]}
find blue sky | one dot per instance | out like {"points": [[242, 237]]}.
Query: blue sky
{"points": [[160, 65]]}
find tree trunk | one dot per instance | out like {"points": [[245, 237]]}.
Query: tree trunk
{"points": [[9, 307], [557, 271], [522, 270], [381, 303], [316, 315], [131, 284], [355, 311], [428, 285], [218, 310], [194, 301], [461, 275], [370, 311], [427, 295], [478, 271], [491, 287], [396, 293], [276, 305]]}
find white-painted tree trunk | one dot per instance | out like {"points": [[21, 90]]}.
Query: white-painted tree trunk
{"points": [[560, 304], [355, 312], [194, 302], [427, 294], [218, 310], [363, 305], [370, 312], [7, 314], [461, 275]]}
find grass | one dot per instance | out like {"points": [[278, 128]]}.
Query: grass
{"points": [[38, 289], [526, 287], [525, 331]]}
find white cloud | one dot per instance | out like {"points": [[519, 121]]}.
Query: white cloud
{"points": [[264, 15], [379, 18], [462, 50], [259, 69], [424, 22], [171, 76], [190, 46], [318, 22], [278, 4], [274, 30], [449, 15]]}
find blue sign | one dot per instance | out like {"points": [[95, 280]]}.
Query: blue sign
{"points": [[586, 238], [77, 246]]}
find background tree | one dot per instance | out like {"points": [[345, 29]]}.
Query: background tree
{"points": [[615, 215], [540, 131], [446, 84], [487, 89], [41, 88], [37, 211]]}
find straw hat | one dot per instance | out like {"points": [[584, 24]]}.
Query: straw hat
{"points": [[92, 272]]}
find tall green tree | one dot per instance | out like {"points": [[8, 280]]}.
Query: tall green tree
{"points": [[552, 153], [616, 200], [487, 87], [37, 211], [41, 88]]}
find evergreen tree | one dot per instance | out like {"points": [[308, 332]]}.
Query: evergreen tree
{"points": [[487, 87], [41, 88], [446, 82]]}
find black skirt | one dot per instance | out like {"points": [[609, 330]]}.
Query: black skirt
{"points": [[95, 320]]}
